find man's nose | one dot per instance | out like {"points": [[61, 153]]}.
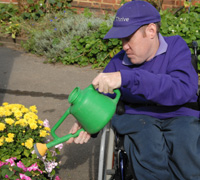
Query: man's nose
{"points": [[125, 45]]}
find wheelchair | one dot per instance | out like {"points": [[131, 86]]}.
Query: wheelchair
{"points": [[113, 161]]}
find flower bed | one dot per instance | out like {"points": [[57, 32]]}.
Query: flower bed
{"points": [[20, 128]]}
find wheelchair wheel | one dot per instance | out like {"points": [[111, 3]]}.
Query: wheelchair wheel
{"points": [[106, 169], [113, 161]]}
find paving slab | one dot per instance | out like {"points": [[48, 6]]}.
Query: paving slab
{"points": [[27, 80]]}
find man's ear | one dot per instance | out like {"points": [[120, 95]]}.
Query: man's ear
{"points": [[151, 30]]}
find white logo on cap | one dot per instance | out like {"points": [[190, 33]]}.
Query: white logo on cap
{"points": [[121, 19]]}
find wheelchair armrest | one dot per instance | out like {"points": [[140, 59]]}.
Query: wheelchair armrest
{"points": [[120, 108]]}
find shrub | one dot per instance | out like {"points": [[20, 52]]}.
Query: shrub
{"points": [[92, 49], [63, 29], [186, 24]]}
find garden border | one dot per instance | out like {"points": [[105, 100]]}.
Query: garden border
{"points": [[10, 42]]}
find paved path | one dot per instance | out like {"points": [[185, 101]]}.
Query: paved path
{"points": [[25, 79]]}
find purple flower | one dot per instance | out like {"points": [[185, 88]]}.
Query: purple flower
{"points": [[51, 20]]}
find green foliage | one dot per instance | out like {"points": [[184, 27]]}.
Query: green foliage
{"points": [[7, 11], [63, 36], [60, 41], [36, 9], [92, 49], [184, 24]]}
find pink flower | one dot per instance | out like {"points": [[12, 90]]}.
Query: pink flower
{"points": [[11, 161], [34, 167], [21, 165], [57, 178], [23, 176], [6, 176], [2, 163], [46, 123]]}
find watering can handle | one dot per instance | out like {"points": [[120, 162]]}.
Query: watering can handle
{"points": [[118, 94], [59, 123], [64, 138]]}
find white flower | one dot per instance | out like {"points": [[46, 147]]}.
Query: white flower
{"points": [[50, 165], [59, 146]]}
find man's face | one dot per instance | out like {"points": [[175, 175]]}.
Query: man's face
{"points": [[138, 46]]}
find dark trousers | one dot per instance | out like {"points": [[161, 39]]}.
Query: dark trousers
{"points": [[157, 149]]}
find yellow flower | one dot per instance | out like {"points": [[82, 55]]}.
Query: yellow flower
{"points": [[7, 112], [22, 144], [29, 143], [2, 111], [43, 133], [2, 126], [47, 129], [1, 141], [30, 121], [5, 104], [18, 114], [22, 122], [40, 122], [33, 109], [30, 115], [9, 121], [24, 110], [11, 135], [9, 139], [33, 126]]}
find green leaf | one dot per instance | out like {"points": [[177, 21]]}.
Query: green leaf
{"points": [[30, 1], [26, 153], [17, 169], [52, 1], [27, 173], [59, 4]]}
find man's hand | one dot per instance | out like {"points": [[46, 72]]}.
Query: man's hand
{"points": [[83, 136], [107, 82]]}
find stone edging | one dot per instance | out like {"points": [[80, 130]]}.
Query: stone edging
{"points": [[9, 42]]}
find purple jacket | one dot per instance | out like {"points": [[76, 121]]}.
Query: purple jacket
{"points": [[168, 80]]}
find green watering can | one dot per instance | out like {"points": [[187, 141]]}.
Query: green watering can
{"points": [[91, 109]]}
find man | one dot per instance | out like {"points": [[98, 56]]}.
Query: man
{"points": [[157, 83]]}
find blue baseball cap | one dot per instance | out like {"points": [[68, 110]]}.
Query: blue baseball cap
{"points": [[130, 17]]}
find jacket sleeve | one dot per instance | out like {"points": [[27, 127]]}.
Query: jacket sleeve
{"points": [[177, 86]]}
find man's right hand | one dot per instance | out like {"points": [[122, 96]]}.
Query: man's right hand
{"points": [[83, 136]]}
